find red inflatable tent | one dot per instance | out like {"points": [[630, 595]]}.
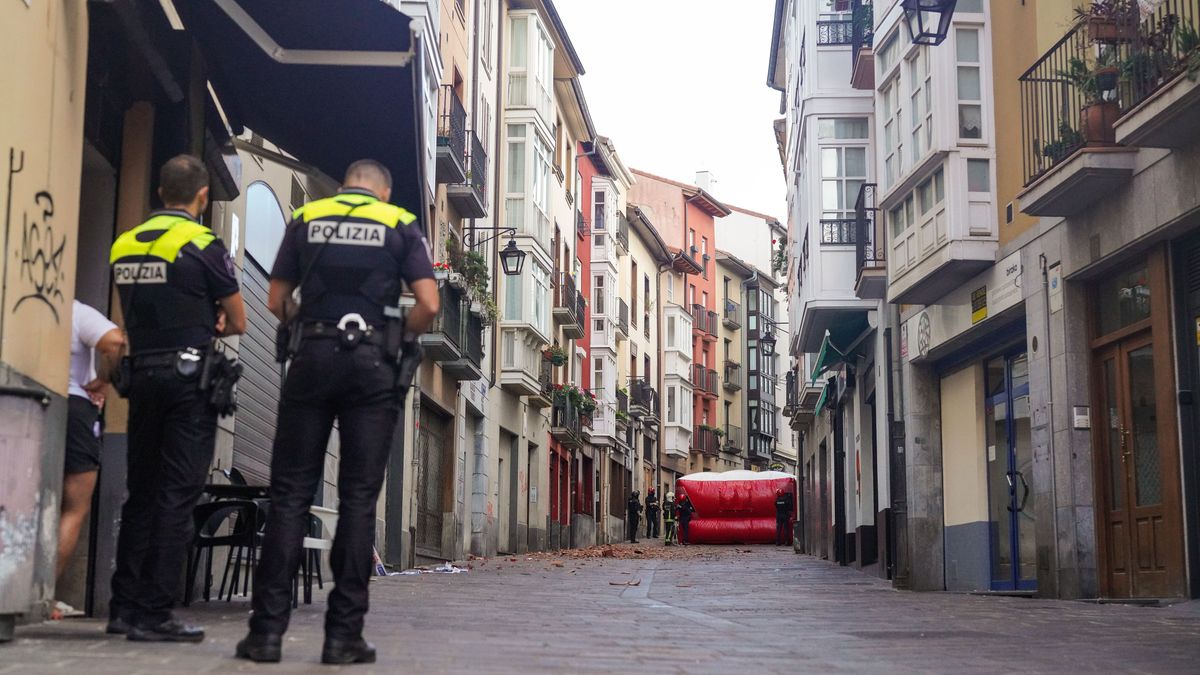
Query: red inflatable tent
{"points": [[735, 507]]}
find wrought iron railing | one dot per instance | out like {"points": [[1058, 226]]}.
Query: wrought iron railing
{"points": [[452, 121], [622, 402], [869, 248], [473, 338], [732, 316], [1102, 68], [733, 375], [835, 32], [623, 231], [704, 440], [733, 438], [704, 320], [837, 231], [449, 319], [564, 415], [581, 228], [643, 398], [546, 377], [477, 168], [567, 297]]}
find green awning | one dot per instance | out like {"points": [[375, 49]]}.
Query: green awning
{"points": [[827, 358], [821, 401]]}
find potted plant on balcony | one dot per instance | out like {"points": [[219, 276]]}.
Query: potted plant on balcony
{"points": [[1095, 81], [1187, 43], [1110, 21], [555, 355], [622, 416], [441, 271]]}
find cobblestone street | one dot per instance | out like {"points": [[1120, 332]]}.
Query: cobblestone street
{"points": [[713, 609]]}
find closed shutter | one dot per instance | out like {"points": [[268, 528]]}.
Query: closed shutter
{"points": [[258, 390]]}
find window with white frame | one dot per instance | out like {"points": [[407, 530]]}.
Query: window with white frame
{"points": [[531, 65], [485, 33], [893, 143], [843, 172], [671, 417], [598, 295], [541, 298], [920, 105], [671, 329], [515, 184], [920, 206], [979, 177], [599, 198], [970, 83], [513, 297]]}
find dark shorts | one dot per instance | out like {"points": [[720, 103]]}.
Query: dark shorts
{"points": [[83, 436]]}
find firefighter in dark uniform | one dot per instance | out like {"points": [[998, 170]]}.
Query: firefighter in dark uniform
{"points": [[178, 292], [347, 256]]}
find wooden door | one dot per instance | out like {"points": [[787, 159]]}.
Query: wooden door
{"points": [[1141, 541]]}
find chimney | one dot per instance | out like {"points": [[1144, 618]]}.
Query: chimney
{"points": [[705, 180]]}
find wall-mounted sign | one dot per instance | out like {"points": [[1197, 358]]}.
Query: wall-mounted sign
{"points": [[1056, 287], [1081, 417], [978, 305]]}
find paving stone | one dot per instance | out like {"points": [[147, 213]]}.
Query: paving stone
{"points": [[718, 610]]}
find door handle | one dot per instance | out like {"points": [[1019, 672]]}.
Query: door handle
{"points": [[1024, 497]]}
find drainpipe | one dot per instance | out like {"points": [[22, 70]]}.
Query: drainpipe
{"points": [[496, 187], [1045, 269]]}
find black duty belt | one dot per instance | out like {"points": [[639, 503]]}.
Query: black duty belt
{"points": [[311, 330], [155, 360]]}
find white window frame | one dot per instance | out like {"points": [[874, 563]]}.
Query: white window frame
{"points": [[978, 66]]}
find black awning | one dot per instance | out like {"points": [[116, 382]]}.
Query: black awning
{"points": [[328, 82]]}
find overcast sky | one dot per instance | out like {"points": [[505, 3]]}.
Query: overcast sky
{"points": [[680, 86]]}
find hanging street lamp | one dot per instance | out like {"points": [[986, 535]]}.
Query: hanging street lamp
{"points": [[512, 259], [928, 20]]}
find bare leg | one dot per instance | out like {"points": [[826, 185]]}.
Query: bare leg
{"points": [[77, 501]]}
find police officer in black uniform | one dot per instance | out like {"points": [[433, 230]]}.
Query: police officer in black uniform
{"points": [[347, 255], [178, 292]]}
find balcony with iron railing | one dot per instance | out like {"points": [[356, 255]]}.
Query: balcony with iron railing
{"points": [[704, 322], [1122, 78], [834, 33], [622, 318], [862, 38], [451, 137], [704, 380], [623, 404], [470, 365], [545, 394], [581, 227], [705, 440], [623, 231], [734, 442], [870, 249], [733, 376], [643, 400], [444, 339], [838, 231], [566, 424], [731, 316], [568, 306], [470, 198]]}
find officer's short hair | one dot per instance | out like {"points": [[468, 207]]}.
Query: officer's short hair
{"points": [[181, 178], [370, 171]]}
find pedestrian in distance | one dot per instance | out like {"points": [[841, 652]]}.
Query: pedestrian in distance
{"points": [[685, 511], [783, 517], [178, 293], [669, 519], [352, 359], [633, 511], [651, 514], [92, 336]]}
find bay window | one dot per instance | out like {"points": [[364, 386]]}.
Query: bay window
{"points": [[970, 88], [531, 65]]}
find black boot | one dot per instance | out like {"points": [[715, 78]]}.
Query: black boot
{"points": [[261, 647], [117, 626], [347, 651], [171, 630]]}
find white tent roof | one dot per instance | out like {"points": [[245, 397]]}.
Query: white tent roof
{"points": [[739, 474]]}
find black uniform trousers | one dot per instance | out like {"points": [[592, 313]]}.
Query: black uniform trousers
{"points": [[632, 519], [684, 524], [172, 431], [652, 523], [357, 388], [782, 531]]}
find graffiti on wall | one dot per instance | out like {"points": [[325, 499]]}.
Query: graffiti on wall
{"points": [[40, 251]]}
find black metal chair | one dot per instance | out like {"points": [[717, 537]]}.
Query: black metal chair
{"points": [[241, 538]]}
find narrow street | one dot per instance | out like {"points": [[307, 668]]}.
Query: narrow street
{"points": [[702, 609]]}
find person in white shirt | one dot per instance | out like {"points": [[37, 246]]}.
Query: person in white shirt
{"points": [[92, 335]]}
